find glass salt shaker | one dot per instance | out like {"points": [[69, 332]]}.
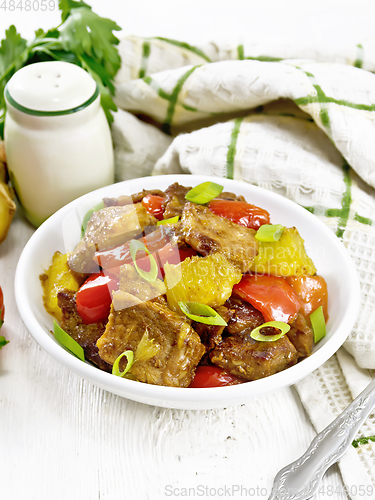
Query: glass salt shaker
{"points": [[57, 139]]}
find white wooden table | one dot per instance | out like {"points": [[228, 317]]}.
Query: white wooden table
{"points": [[63, 438]]}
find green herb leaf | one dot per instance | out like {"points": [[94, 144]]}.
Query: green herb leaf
{"points": [[13, 54], [88, 215], [116, 365], [257, 335], [269, 232], [318, 324], [68, 342], [67, 5], [85, 33], [172, 220], [203, 193], [201, 313], [3, 341], [134, 247]]}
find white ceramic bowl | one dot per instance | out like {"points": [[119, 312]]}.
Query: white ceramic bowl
{"points": [[62, 231]]}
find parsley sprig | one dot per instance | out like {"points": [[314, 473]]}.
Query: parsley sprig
{"points": [[82, 38]]}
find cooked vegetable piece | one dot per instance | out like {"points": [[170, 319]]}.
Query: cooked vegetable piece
{"points": [[201, 313], [285, 257], [2, 308], [85, 335], [116, 365], [94, 297], [208, 233], [120, 254], [175, 347], [172, 220], [88, 215], [7, 209], [208, 280], [203, 193], [269, 232], [154, 205], [272, 295], [213, 376], [107, 228], [3, 341], [68, 342], [260, 333], [318, 324], [135, 247], [240, 212], [313, 292], [58, 277], [252, 360]]}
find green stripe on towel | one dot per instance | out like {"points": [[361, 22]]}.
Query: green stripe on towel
{"points": [[233, 147]]}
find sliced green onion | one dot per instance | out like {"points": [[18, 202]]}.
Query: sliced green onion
{"points": [[172, 220], [3, 341], [88, 215], [318, 324], [135, 247], [68, 342], [257, 335], [201, 313], [203, 193], [270, 232], [116, 365]]}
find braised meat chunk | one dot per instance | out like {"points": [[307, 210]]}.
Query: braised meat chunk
{"points": [[85, 335], [244, 319], [252, 360], [175, 200], [208, 233], [301, 336], [107, 228], [167, 350], [132, 282], [211, 335]]}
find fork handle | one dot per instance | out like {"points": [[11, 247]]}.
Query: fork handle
{"points": [[300, 480]]}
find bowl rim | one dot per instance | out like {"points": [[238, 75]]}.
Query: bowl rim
{"points": [[168, 396]]}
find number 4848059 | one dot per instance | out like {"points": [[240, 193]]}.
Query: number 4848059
{"points": [[28, 5]]}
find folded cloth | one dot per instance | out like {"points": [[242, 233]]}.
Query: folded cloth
{"points": [[299, 121]]}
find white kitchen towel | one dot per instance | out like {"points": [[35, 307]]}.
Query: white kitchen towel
{"points": [[298, 121]]}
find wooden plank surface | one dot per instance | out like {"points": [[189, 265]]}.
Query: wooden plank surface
{"points": [[62, 437]]}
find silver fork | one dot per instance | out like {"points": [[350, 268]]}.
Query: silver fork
{"points": [[300, 480]]}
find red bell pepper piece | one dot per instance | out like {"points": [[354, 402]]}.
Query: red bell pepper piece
{"points": [[313, 292], [94, 297], [240, 212], [154, 205], [117, 256], [213, 376], [271, 295]]}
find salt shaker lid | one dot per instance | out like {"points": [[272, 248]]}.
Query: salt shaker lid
{"points": [[51, 87]]}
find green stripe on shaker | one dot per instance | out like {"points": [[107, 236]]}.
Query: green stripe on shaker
{"points": [[233, 147], [36, 112]]}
